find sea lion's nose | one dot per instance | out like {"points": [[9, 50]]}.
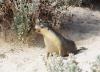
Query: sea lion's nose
{"points": [[37, 27]]}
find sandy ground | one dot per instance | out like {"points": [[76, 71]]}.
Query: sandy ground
{"points": [[18, 58], [85, 31]]}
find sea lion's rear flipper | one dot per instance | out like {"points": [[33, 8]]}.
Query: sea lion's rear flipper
{"points": [[81, 50]]}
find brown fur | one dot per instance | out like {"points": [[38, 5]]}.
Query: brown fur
{"points": [[54, 42]]}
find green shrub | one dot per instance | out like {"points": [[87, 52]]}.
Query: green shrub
{"points": [[58, 64], [21, 19], [96, 65]]}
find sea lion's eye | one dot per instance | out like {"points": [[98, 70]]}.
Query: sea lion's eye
{"points": [[42, 26]]}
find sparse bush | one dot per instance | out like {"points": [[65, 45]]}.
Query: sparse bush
{"points": [[69, 64], [96, 65], [25, 14], [58, 64], [51, 12], [72, 2], [22, 23]]}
